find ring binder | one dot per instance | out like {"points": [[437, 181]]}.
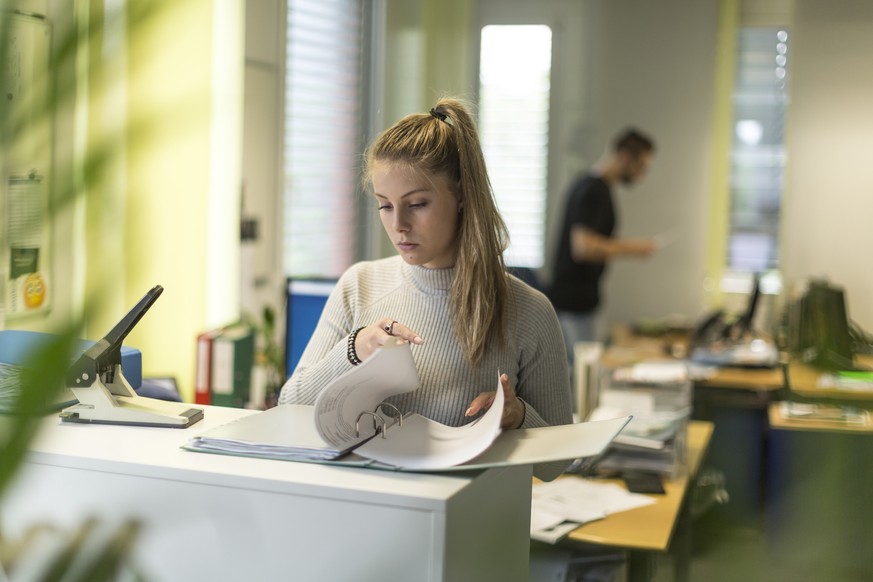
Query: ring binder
{"points": [[376, 427], [398, 415], [379, 418], [332, 428]]}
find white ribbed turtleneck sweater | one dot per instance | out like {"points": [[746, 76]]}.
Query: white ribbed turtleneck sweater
{"points": [[534, 356]]}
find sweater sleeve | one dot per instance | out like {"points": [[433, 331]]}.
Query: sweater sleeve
{"points": [[325, 355], [543, 375]]}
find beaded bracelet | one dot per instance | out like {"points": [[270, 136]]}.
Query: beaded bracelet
{"points": [[351, 354]]}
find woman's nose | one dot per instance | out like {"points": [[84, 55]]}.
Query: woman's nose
{"points": [[401, 224]]}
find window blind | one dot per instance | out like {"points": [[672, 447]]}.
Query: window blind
{"points": [[758, 154], [514, 91], [322, 135]]}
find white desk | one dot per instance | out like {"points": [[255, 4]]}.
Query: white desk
{"points": [[211, 517]]}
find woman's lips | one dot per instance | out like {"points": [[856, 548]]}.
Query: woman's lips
{"points": [[406, 246]]}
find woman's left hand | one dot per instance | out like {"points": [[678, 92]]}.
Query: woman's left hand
{"points": [[513, 407]]}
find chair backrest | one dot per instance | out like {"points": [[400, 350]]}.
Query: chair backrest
{"points": [[527, 275]]}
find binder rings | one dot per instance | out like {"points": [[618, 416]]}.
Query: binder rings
{"points": [[350, 425]]}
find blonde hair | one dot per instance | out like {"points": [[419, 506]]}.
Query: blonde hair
{"points": [[446, 141]]}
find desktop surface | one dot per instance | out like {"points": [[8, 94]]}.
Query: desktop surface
{"points": [[628, 348], [651, 527], [156, 452], [804, 378]]}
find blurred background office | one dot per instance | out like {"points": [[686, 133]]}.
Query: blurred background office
{"points": [[208, 114]]}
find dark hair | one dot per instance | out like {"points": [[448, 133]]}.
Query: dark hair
{"points": [[633, 142]]}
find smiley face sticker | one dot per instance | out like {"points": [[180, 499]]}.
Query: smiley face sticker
{"points": [[34, 291]]}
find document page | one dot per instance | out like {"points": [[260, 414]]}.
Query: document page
{"points": [[391, 370], [559, 507], [421, 444]]}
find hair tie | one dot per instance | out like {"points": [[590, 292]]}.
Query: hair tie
{"points": [[437, 114]]}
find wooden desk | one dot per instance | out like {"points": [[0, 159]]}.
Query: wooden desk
{"points": [[628, 348], [651, 527], [735, 399], [214, 517], [758, 379], [803, 379]]}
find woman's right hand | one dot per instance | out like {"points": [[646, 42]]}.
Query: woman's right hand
{"points": [[374, 336]]}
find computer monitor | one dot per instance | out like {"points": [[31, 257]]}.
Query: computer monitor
{"points": [[720, 327], [744, 324], [822, 335], [306, 298]]}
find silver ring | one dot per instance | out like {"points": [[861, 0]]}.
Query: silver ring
{"points": [[389, 329]]}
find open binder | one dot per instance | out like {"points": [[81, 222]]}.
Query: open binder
{"points": [[351, 425]]}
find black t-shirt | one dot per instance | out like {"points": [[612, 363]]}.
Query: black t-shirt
{"points": [[576, 286]]}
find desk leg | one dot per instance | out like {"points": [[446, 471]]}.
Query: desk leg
{"points": [[681, 546], [641, 566]]}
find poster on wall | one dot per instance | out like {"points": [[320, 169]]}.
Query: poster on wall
{"points": [[27, 287], [25, 230]]}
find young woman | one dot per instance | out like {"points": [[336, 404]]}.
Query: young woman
{"points": [[447, 292]]}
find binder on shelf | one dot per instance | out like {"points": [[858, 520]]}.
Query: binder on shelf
{"points": [[350, 424], [203, 371], [233, 354]]}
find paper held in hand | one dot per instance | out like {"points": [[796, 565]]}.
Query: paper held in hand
{"points": [[350, 412]]}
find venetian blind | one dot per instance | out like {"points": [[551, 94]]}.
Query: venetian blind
{"points": [[514, 89], [758, 154], [322, 135]]}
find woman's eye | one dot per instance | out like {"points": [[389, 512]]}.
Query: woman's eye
{"points": [[384, 207], [418, 205]]}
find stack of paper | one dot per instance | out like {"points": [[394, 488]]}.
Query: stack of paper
{"points": [[659, 397], [825, 413], [653, 372], [559, 507]]}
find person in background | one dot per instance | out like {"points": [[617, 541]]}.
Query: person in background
{"points": [[446, 292], [587, 238]]}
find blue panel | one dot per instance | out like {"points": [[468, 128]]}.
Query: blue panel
{"points": [[16, 345], [306, 299]]}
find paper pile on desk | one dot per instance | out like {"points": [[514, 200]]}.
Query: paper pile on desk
{"points": [[559, 507], [10, 386]]}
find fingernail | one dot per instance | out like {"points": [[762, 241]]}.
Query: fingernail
{"points": [[468, 411], [418, 340]]}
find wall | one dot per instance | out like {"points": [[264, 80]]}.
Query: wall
{"points": [[261, 279], [652, 66], [184, 176], [423, 53], [829, 181], [148, 137], [608, 71]]}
